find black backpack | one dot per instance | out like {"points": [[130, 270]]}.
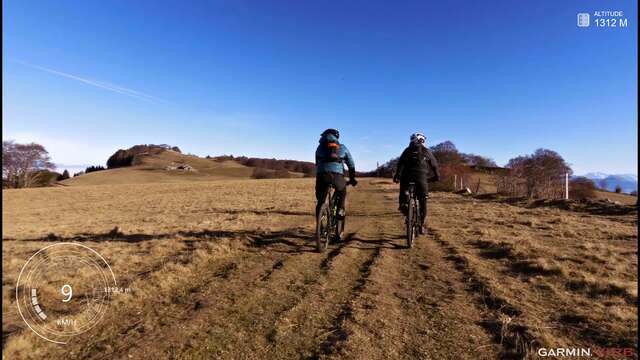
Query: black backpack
{"points": [[332, 151], [418, 158]]}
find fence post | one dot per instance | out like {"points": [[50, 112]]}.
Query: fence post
{"points": [[566, 186], [455, 182]]}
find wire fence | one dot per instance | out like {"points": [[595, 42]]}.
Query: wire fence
{"points": [[551, 187]]}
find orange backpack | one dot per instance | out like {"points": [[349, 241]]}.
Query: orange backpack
{"points": [[333, 152]]}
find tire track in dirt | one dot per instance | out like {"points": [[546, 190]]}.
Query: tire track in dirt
{"points": [[327, 320], [523, 268], [305, 296], [163, 311], [569, 321], [501, 317], [172, 310], [415, 307], [314, 324], [246, 327], [221, 302], [412, 304], [338, 332]]}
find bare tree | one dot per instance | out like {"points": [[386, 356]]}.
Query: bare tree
{"points": [[479, 160], [23, 164], [582, 188], [542, 173]]}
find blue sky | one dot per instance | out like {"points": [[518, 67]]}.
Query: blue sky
{"points": [[498, 78]]}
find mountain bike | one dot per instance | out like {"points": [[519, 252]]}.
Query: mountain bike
{"points": [[328, 224], [412, 219]]}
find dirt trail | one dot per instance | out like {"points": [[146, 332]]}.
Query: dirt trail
{"points": [[367, 297], [488, 281]]}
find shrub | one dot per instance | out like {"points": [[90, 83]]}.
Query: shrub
{"points": [[260, 173], [618, 189], [45, 178], [309, 169], [281, 174], [582, 188], [64, 176]]}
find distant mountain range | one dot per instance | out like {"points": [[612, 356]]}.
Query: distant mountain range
{"points": [[627, 182]]}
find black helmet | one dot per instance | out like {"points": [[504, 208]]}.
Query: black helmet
{"points": [[333, 132]]}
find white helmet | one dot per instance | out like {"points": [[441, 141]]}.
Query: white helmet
{"points": [[418, 138]]}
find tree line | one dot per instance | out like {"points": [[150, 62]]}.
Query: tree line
{"points": [[537, 175], [271, 168], [451, 163]]}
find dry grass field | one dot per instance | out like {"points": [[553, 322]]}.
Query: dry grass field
{"points": [[228, 269]]}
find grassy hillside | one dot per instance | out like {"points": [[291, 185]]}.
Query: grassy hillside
{"points": [[154, 169], [625, 199], [161, 167]]}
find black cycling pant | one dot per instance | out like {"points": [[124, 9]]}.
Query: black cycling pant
{"points": [[421, 189], [323, 181]]}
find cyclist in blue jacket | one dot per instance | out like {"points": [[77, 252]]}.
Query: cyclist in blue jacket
{"points": [[330, 158]]}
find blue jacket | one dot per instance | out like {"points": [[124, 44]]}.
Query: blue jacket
{"points": [[323, 166]]}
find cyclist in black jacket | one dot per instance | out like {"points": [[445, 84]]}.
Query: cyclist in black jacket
{"points": [[418, 165]]}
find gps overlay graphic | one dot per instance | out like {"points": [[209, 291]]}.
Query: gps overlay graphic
{"points": [[63, 290]]}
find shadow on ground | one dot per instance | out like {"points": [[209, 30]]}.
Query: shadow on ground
{"points": [[296, 238], [594, 207]]}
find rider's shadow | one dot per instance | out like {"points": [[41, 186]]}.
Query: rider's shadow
{"points": [[286, 241], [381, 243]]}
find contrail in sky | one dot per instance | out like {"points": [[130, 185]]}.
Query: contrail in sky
{"points": [[103, 85]]}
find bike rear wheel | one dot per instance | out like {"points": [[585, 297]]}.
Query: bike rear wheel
{"points": [[323, 228], [416, 219], [411, 215]]}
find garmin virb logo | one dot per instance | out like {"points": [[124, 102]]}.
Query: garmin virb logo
{"points": [[601, 353]]}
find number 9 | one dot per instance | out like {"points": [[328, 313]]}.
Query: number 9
{"points": [[66, 290]]}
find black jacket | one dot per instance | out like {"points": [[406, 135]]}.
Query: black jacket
{"points": [[417, 161]]}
